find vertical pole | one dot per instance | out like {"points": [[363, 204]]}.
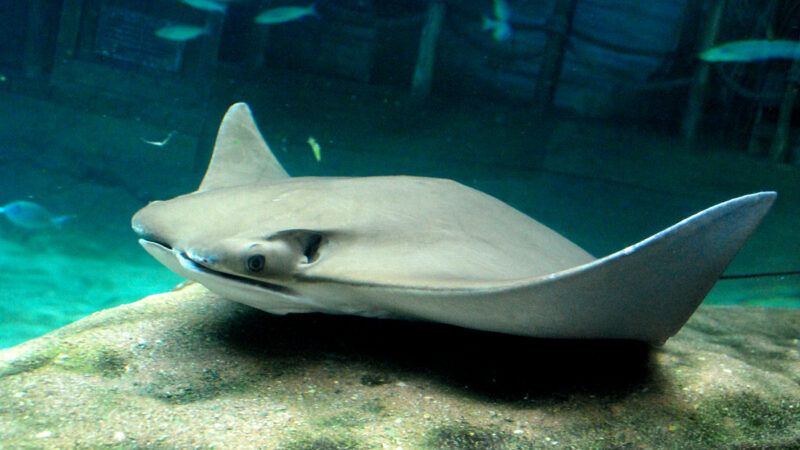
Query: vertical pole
{"points": [[780, 143], [558, 26], [34, 39], [202, 64], [423, 71], [68, 29], [697, 94], [258, 39], [202, 70], [753, 147]]}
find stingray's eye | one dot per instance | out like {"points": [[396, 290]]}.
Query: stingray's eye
{"points": [[255, 263]]}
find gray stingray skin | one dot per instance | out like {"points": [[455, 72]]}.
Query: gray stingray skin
{"points": [[427, 249]]}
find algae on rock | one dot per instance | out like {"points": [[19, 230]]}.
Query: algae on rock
{"points": [[187, 369]]}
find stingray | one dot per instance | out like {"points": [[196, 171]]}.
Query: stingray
{"points": [[431, 249]]}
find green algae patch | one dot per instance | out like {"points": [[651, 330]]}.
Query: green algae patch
{"points": [[716, 421], [368, 412], [374, 406], [374, 379], [463, 436], [109, 363], [323, 443], [345, 420], [182, 389], [103, 361], [28, 361], [180, 383], [748, 419], [614, 426]]}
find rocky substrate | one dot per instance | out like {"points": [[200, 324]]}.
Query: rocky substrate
{"points": [[187, 369]]}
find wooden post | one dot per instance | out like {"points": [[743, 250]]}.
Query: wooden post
{"points": [[780, 143], [201, 64], [68, 29], [34, 62], [258, 38], [754, 147], [558, 25], [203, 70], [697, 94], [423, 71]]}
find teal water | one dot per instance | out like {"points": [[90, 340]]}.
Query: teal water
{"points": [[603, 183]]}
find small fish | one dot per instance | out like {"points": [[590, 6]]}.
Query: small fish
{"points": [[205, 5], [499, 24], [501, 10], [500, 30], [752, 51], [180, 33], [315, 148], [32, 216], [285, 14], [160, 143]]}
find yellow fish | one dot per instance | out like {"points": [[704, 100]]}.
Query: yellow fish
{"points": [[315, 148]]}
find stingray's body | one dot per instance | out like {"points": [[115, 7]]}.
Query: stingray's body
{"points": [[426, 248]]}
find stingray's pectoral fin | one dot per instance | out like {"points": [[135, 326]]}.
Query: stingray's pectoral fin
{"points": [[649, 290], [645, 292]]}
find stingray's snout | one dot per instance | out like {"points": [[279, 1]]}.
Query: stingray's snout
{"points": [[139, 222], [145, 224], [137, 226]]}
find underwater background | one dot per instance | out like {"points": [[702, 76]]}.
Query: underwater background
{"points": [[596, 118]]}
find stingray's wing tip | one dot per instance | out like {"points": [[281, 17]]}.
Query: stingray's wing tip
{"points": [[647, 291], [687, 259], [765, 198]]}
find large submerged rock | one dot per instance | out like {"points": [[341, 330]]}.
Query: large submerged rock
{"points": [[187, 369]]}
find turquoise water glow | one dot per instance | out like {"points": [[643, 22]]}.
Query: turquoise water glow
{"points": [[606, 167]]}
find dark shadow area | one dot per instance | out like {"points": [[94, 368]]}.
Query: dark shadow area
{"points": [[501, 367]]}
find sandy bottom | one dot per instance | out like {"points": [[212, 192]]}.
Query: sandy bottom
{"points": [[594, 183]]}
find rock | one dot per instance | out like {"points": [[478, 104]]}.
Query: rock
{"points": [[187, 369]]}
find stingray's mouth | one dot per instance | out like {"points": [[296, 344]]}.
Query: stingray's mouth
{"points": [[180, 262], [190, 264], [151, 240]]}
